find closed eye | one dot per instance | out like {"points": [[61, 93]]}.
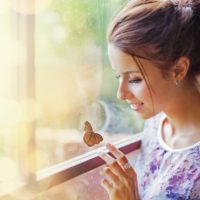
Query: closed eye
{"points": [[137, 80]]}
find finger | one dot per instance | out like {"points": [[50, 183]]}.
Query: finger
{"points": [[115, 151], [122, 159], [124, 162], [107, 185], [108, 159], [110, 176], [122, 165], [113, 165], [117, 169]]}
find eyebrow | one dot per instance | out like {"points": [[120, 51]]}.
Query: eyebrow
{"points": [[128, 72], [132, 71]]}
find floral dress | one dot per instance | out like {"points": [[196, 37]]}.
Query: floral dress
{"points": [[164, 173]]}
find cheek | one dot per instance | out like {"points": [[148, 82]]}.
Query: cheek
{"points": [[140, 91], [161, 96]]}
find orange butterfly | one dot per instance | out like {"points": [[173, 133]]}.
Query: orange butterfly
{"points": [[90, 137]]}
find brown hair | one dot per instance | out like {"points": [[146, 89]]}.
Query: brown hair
{"points": [[159, 30]]}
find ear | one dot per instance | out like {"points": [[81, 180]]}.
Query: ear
{"points": [[180, 69]]}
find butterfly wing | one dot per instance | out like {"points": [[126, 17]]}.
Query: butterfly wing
{"points": [[88, 135], [98, 138], [91, 138], [88, 127]]}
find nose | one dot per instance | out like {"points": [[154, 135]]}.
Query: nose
{"points": [[123, 92]]}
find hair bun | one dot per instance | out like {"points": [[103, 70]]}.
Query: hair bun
{"points": [[188, 9], [193, 4]]}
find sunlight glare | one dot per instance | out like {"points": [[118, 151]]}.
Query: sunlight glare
{"points": [[15, 53], [10, 112], [30, 6], [30, 110], [8, 169], [4, 6]]}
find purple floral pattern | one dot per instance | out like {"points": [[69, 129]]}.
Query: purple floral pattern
{"points": [[164, 174]]}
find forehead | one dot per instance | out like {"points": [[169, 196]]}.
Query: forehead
{"points": [[120, 61]]}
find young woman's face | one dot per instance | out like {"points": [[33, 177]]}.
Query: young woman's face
{"points": [[145, 101]]}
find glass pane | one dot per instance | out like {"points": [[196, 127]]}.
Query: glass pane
{"points": [[84, 187], [74, 80]]}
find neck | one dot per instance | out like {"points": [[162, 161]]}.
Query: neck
{"points": [[183, 112]]}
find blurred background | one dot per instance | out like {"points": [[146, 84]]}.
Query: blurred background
{"points": [[55, 75]]}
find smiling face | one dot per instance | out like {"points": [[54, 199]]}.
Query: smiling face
{"points": [[145, 98]]}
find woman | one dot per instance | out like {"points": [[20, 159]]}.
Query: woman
{"points": [[153, 46]]}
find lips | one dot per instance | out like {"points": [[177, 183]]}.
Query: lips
{"points": [[136, 106]]}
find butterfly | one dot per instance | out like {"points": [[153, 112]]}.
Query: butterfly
{"points": [[90, 137]]}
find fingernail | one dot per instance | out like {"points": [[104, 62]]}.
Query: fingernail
{"points": [[108, 145]]}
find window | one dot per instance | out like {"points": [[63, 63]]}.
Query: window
{"points": [[74, 82], [55, 75]]}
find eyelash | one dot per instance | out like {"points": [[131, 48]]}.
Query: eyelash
{"points": [[134, 81]]}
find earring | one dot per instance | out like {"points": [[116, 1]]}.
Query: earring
{"points": [[177, 82]]}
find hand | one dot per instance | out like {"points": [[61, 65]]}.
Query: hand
{"points": [[121, 179]]}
